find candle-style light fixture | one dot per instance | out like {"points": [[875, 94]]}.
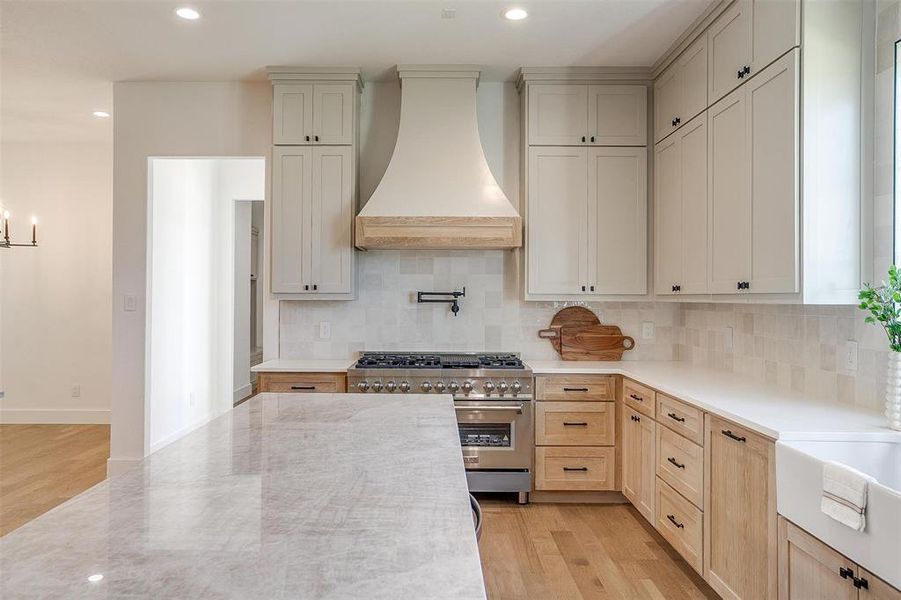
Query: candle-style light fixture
{"points": [[5, 241]]}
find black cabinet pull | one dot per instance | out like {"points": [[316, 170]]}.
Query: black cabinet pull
{"points": [[591, 288], [583, 139], [746, 70], [672, 518], [306, 288], [306, 138], [738, 285], [315, 287], [315, 138], [845, 572], [575, 468], [678, 287], [636, 397], [675, 417], [677, 120], [583, 288], [635, 418], [573, 424], [592, 139], [675, 463], [566, 389], [738, 438], [673, 122], [740, 74], [861, 582], [303, 387]]}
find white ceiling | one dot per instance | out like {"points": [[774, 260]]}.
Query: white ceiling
{"points": [[58, 58]]}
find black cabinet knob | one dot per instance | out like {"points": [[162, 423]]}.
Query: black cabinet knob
{"points": [[583, 139], [315, 138], [845, 572], [678, 120], [591, 288], [583, 288], [592, 139], [307, 138], [306, 288], [315, 287]]}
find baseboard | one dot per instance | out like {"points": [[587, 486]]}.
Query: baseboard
{"points": [[183, 432], [578, 497], [242, 392], [117, 466], [52, 416]]}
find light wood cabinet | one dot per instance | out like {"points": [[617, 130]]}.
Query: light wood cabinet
{"points": [[875, 588], [680, 463], [684, 419], [574, 469], [312, 208], [575, 388], [574, 423], [638, 459], [639, 397], [571, 114], [680, 92], [681, 524], [753, 184], [746, 38], [739, 512], [313, 113], [303, 383], [681, 211]]}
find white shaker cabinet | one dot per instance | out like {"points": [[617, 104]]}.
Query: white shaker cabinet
{"points": [[313, 113], [681, 91], [573, 114], [558, 115], [292, 113], [681, 210], [617, 115], [292, 191], [333, 109]]}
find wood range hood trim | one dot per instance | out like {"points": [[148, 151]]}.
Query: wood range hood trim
{"points": [[438, 233]]}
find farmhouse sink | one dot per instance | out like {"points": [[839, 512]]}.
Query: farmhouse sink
{"points": [[799, 484]]}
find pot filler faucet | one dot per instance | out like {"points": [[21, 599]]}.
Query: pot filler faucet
{"points": [[428, 297]]}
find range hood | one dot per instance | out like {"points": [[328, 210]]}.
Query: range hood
{"points": [[438, 192]]}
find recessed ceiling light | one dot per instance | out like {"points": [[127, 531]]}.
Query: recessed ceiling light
{"points": [[515, 14], [97, 577], [187, 13], [101, 114]]}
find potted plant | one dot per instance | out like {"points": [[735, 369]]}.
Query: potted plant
{"points": [[884, 305]]}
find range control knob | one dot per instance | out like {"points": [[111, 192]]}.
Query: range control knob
{"points": [[502, 387], [453, 386], [425, 386], [376, 386], [467, 387], [488, 386], [516, 387], [390, 386], [439, 386], [404, 386], [363, 386]]}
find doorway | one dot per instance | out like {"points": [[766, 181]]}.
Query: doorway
{"points": [[248, 296]]}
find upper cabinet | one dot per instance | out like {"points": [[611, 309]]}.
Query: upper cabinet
{"points": [[313, 113], [680, 92], [573, 114], [746, 38]]}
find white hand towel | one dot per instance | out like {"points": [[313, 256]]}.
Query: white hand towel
{"points": [[845, 494]]}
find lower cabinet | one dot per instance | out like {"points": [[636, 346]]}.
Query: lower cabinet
{"points": [[810, 569], [303, 383], [638, 457], [681, 524]]}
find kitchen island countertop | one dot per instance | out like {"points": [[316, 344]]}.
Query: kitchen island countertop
{"points": [[286, 496]]}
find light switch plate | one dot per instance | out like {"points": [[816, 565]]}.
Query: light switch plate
{"points": [[325, 330], [647, 330], [131, 303], [849, 356], [76, 390]]}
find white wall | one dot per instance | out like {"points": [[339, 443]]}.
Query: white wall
{"points": [[166, 119], [243, 216], [56, 332], [191, 313]]}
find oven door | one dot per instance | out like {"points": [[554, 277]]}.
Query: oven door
{"points": [[495, 434]]}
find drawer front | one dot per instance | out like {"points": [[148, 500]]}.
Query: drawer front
{"points": [[681, 524], [303, 383], [574, 424], [577, 388], [680, 463], [579, 469], [681, 418], [639, 397]]}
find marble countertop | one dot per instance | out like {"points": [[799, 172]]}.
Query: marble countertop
{"points": [[284, 365], [768, 410], [338, 496]]}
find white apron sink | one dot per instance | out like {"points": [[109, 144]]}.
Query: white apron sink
{"points": [[799, 485]]}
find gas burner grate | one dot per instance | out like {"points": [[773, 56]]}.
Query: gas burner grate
{"points": [[439, 361]]}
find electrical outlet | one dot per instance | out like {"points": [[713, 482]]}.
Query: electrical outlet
{"points": [[849, 356], [325, 330], [728, 341], [131, 303], [76, 390], [647, 330]]}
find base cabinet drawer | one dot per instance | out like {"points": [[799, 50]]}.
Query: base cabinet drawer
{"points": [[574, 423], [681, 524], [680, 463], [574, 469], [681, 418], [576, 388], [303, 383], [639, 397]]}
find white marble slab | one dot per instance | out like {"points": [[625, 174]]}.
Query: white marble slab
{"points": [[341, 496], [771, 411], [285, 365]]}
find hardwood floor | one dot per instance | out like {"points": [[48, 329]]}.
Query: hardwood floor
{"points": [[42, 466], [580, 552]]}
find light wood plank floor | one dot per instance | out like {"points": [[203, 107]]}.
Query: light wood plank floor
{"points": [[42, 466], [580, 552]]}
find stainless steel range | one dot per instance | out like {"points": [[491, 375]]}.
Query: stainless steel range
{"points": [[493, 400]]}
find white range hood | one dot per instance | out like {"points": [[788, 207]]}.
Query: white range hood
{"points": [[438, 191]]}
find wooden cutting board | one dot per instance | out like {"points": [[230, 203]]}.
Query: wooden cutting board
{"points": [[577, 334]]}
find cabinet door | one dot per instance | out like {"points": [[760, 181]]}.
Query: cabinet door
{"points": [[809, 569], [668, 215], [693, 155], [693, 80], [557, 220], [558, 115], [292, 186], [876, 588], [292, 113], [333, 107], [728, 188], [776, 30], [617, 115], [617, 211], [667, 92], [729, 49], [773, 131], [739, 512], [332, 220], [639, 457]]}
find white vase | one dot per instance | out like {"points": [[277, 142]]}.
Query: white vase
{"points": [[893, 390]]}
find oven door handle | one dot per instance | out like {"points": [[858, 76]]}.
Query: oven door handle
{"points": [[481, 407]]}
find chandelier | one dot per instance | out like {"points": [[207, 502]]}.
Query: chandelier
{"points": [[5, 241]]}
